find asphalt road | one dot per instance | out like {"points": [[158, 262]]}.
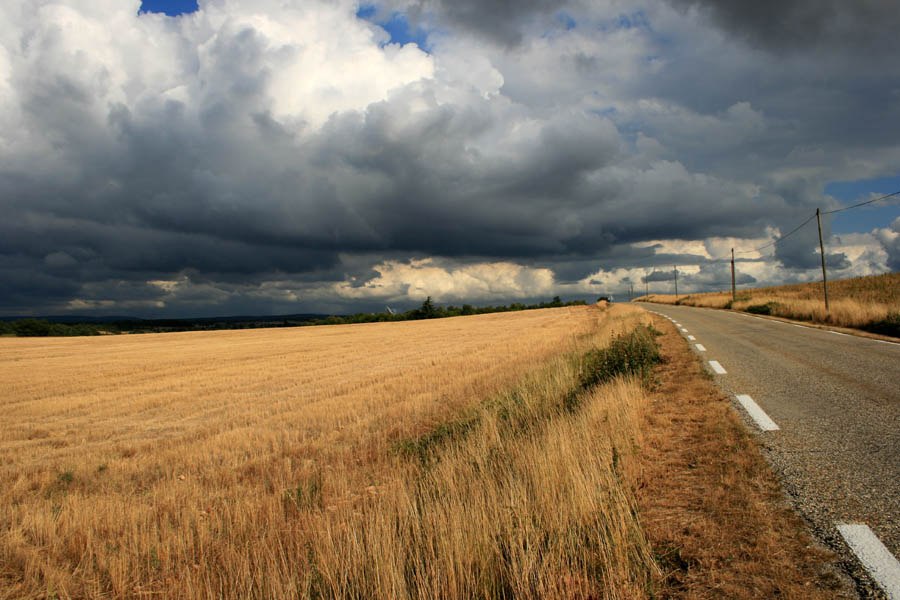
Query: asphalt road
{"points": [[836, 400]]}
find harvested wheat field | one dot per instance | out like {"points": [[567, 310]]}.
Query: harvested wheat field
{"points": [[868, 303], [412, 459]]}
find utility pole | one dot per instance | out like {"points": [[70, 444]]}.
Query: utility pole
{"points": [[822, 251], [675, 268], [733, 289], [630, 291], [646, 287]]}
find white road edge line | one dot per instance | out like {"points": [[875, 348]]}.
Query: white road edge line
{"points": [[758, 414], [838, 333], [873, 555], [700, 347], [684, 330], [692, 338], [717, 367]]}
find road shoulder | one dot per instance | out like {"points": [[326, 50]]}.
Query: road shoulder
{"points": [[711, 505], [861, 333]]}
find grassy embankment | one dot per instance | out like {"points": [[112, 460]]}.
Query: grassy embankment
{"points": [[867, 303], [485, 456]]}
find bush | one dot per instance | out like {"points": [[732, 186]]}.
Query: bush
{"points": [[631, 354], [32, 328], [768, 308], [890, 325]]}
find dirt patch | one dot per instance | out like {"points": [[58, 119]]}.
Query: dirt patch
{"points": [[712, 508]]}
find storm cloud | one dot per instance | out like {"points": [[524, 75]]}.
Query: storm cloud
{"points": [[863, 25], [288, 157]]}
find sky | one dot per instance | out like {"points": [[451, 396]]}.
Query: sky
{"points": [[223, 157]]}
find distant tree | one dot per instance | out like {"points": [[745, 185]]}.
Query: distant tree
{"points": [[427, 310], [32, 328]]}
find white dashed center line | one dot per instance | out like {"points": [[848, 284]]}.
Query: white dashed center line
{"points": [[758, 414], [717, 367], [873, 555], [700, 347]]}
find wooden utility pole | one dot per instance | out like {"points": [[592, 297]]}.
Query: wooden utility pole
{"points": [[675, 268], [646, 287], [630, 291], [733, 289], [822, 251]]}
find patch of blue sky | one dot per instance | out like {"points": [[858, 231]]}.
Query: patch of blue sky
{"points": [[173, 8], [609, 111], [865, 218], [397, 26], [566, 20], [635, 20]]}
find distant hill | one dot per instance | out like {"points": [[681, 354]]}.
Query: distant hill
{"points": [[126, 318]]}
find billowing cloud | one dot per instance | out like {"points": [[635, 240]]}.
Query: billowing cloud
{"points": [[889, 238], [479, 282], [288, 157]]}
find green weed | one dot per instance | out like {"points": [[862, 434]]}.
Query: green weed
{"points": [[632, 354]]}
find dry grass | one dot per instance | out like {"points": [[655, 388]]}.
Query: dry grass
{"points": [[868, 303], [304, 463], [711, 506], [260, 463]]}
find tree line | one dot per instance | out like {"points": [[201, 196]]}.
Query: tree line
{"points": [[428, 310]]}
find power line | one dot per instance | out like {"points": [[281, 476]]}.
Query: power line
{"points": [[772, 243], [790, 233], [829, 212]]}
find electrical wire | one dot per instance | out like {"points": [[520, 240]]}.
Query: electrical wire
{"points": [[829, 212], [837, 210], [772, 243], [790, 233]]}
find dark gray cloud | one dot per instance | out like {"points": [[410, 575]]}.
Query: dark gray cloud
{"points": [[827, 25], [500, 21], [715, 276], [659, 276]]}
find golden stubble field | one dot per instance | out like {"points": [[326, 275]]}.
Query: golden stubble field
{"points": [[262, 463]]}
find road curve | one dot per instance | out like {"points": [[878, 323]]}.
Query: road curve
{"points": [[836, 401]]}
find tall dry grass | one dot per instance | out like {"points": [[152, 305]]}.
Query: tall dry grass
{"points": [[870, 303], [263, 463]]}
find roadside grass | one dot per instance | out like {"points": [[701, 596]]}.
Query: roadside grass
{"points": [[867, 303], [712, 508], [539, 507]]}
